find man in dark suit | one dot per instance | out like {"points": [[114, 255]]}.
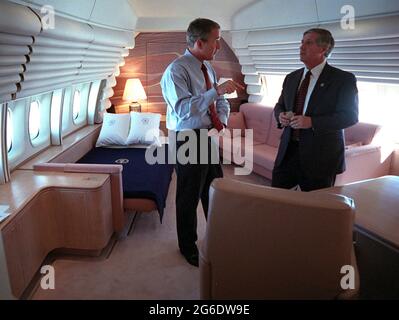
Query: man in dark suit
{"points": [[317, 102]]}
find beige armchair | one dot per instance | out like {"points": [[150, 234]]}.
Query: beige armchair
{"points": [[267, 243]]}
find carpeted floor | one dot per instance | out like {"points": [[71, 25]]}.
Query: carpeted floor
{"points": [[145, 265]]}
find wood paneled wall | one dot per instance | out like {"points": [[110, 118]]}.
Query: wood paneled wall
{"points": [[152, 54]]}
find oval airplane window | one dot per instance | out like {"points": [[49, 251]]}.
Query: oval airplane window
{"points": [[34, 120], [76, 104], [9, 130]]}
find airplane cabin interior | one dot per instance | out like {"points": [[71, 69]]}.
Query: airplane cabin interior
{"points": [[88, 183]]}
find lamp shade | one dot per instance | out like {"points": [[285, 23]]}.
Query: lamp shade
{"points": [[134, 90], [228, 95]]}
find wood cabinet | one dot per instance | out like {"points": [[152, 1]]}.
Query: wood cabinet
{"points": [[55, 218]]}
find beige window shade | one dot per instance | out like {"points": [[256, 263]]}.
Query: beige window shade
{"points": [[7, 89], [96, 47], [59, 85], [107, 93], [10, 50], [17, 19], [111, 82], [11, 70], [41, 75], [94, 71], [56, 43], [35, 84], [54, 64], [370, 51], [102, 54], [6, 38], [113, 38], [38, 50], [14, 60], [114, 60], [42, 66], [10, 79], [101, 64], [34, 59]]}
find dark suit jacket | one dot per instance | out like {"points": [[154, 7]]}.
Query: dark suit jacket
{"points": [[333, 106]]}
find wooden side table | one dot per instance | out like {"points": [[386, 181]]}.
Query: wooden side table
{"points": [[376, 232]]}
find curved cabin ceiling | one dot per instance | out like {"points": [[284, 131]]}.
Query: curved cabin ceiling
{"points": [[144, 15], [265, 14], [175, 15], [115, 14], [234, 15]]}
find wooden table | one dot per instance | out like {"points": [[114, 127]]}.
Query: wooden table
{"points": [[376, 234]]}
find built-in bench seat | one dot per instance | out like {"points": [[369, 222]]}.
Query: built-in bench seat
{"points": [[49, 210], [56, 205]]}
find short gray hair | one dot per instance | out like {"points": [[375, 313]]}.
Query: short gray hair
{"points": [[324, 39], [200, 28]]}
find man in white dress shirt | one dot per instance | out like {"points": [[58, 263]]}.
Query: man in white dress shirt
{"points": [[195, 104]]}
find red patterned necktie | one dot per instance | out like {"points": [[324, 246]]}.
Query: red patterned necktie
{"points": [[300, 101], [217, 124]]}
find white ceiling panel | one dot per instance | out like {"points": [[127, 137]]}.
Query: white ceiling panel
{"points": [[75, 8], [175, 15], [331, 10], [115, 13]]}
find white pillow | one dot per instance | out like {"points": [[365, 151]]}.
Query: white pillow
{"points": [[144, 128], [114, 130]]}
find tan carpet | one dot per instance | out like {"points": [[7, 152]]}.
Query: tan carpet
{"points": [[145, 265]]}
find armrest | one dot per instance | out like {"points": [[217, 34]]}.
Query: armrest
{"points": [[236, 121], [361, 150], [115, 172], [79, 167], [364, 162]]}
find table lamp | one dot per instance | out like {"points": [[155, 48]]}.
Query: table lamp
{"points": [[134, 92]]}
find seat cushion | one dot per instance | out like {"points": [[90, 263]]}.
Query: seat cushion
{"points": [[258, 118], [361, 132], [237, 149], [265, 155], [236, 121]]}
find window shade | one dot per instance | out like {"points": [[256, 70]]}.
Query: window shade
{"points": [[33, 59], [18, 25], [370, 51]]}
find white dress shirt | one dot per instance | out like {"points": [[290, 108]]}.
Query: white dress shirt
{"points": [[184, 90], [316, 71]]}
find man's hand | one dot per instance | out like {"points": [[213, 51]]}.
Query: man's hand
{"points": [[228, 87], [285, 117], [301, 122]]}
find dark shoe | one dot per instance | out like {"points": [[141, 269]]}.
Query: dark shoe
{"points": [[192, 258]]}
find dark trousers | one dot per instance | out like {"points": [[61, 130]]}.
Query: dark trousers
{"points": [[289, 174], [193, 181]]}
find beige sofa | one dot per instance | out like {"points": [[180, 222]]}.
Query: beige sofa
{"points": [[366, 156], [268, 243]]}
